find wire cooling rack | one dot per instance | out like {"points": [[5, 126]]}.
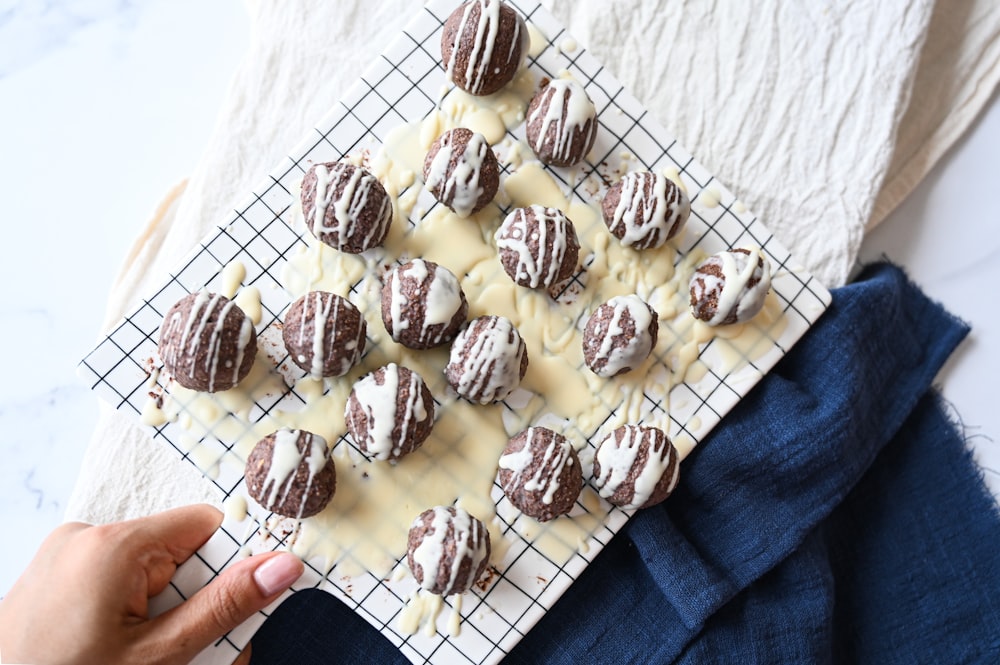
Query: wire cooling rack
{"points": [[401, 86]]}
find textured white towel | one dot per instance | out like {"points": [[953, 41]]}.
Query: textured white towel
{"points": [[802, 110]]}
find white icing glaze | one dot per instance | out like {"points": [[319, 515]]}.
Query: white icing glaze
{"points": [[734, 291], [379, 405], [568, 95], [491, 347], [556, 455], [667, 206], [348, 206], [541, 269], [285, 462], [443, 300], [618, 457], [460, 187], [481, 60], [431, 552], [636, 349]]}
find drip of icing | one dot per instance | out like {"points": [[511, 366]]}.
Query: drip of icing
{"points": [[619, 357], [569, 96], [348, 206], [617, 457], [379, 403], [432, 550], [555, 458], [460, 187], [492, 350], [513, 235], [658, 212]]}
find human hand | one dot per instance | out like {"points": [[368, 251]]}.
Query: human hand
{"points": [[85, 596]]}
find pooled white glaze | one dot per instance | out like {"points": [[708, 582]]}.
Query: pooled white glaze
{"points": [[285, 462], [348, 206], [379, 406], [487, 28], [636, 349], [443, 300], [492, 352], [431, 551], [618, 457], [541, 268], [568, 95], [734, 291], [556, 456], [667, 206], [460, 188]]}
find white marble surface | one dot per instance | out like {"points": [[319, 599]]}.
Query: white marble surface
{"points": [[106, 104]]}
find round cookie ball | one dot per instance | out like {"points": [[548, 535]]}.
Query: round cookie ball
{"points": [[619, 335], [645, 209], [483, 45], [290, 473], [636, 467], [538, 246], [324, 334], [461, 171], [345, 206], [730, 287], [447, 550], [207, 343], [561, 123], [488, 360], [390, 412], [540, 473], [422, 304]]}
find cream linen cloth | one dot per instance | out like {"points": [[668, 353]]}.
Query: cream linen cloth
{"points": [[820, 116]]}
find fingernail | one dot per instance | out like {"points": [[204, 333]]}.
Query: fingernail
{"points": [[277, 573]]}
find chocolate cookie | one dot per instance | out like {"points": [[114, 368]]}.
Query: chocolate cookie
{"points": [[324, 334], [345, 206], [538, 246], [290, 473], [540, 473], [422, 304], [645, 209], [461, 171], [390, 412], [483, 45], [730, 287], [636, 467], [447, 550], [207, 343], [619, 335], [488, 360], [561, 123]]}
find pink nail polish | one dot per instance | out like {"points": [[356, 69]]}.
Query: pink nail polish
{"points": [[277, 573]]}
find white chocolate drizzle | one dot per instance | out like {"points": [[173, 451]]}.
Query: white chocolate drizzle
{"points": [[347, 207], [556, 456], [488, 357], [618, 454], [661, 212], [617, 356], [459, 188], [565, 97], [487, 28], [735, 295], [469, 539], [379, 406], [538, 268], [286, 458]]}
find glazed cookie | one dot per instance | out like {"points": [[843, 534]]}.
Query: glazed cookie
{"points": [[561, 124], [730, 287], [483, 45], [644, 209], [538, 246], [461, 171], [488, 360], [447, 550], [422, 304], [324, 334], [636, 467], [540, 473], [290, 473], [390, 412], [619, 335], [345, 206]]}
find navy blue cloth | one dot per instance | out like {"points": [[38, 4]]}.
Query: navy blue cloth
{"points": [[834, 516]]}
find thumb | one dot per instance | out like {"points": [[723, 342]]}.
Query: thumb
{"points": [[230, 599]]}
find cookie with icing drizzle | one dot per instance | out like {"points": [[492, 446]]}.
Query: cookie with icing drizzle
{"points": [[730, 286], [644, 209], [619, 335], [540, 473], [538, 246], [483, 45], [561, 123], [390, 412], [324, 334], [488, 360], [423, 304], [345, 206], [207, 342], [636, 467], [461, 171], [447, 550], [291, 473]]}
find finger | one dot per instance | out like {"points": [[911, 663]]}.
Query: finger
{"points": [[181, 530], [244, 657], [233, 597]]}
